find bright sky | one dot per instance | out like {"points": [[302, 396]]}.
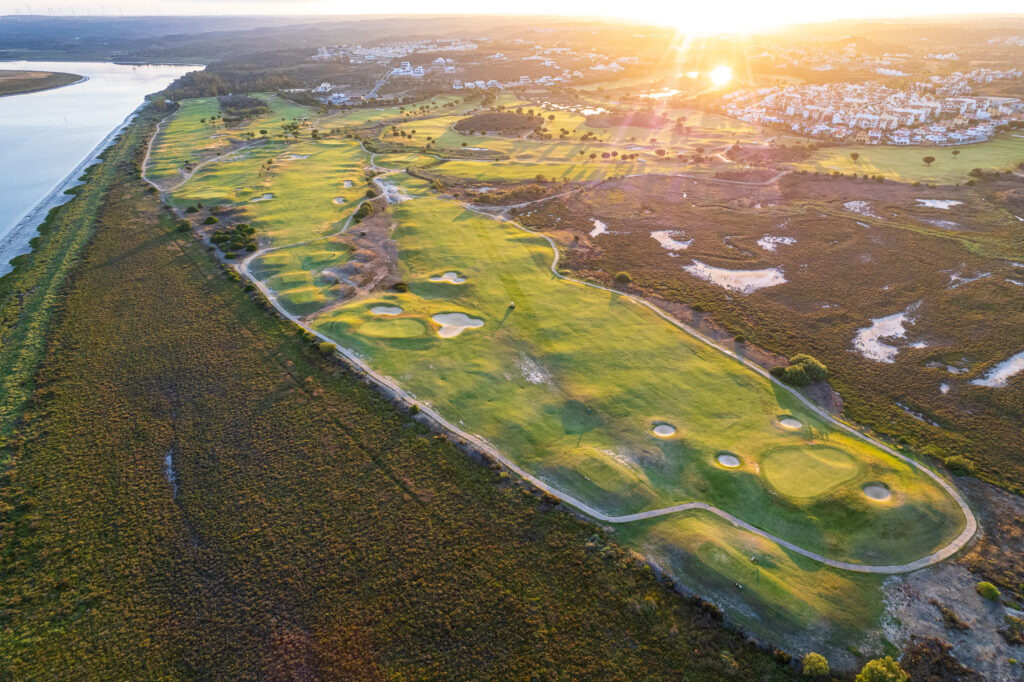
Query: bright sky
{"points": [[706, 15]]}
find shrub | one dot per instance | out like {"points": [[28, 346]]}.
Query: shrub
{"points": [[414, 409], [230, 254], [987, 590], [740, 338], [371, 193], [697, 308], [882, 670], [815, 369], [211, 220], [400, 287], [327, 348], [191, 209], [250, 247], [959, 465], [815, 665], [623, 277], [795, 375], [184, 225]]}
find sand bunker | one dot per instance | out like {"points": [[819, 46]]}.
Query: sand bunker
{"points": [[768, 242], [868, 341], [729, 461], [264, 197], [451, 277], [664, 430], [599, 227], [944, 224], [943, 389], [453, 324], [385, 310], [743, 281], [1001, 373], [790, 423], [294, 157], [667, 239], [861, 208], [339, 200], [347, 184], [939, 203], [877, 492]]}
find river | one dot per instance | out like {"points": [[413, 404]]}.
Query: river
{"points": [[47, 138]]}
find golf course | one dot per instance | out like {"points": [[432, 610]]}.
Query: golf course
{"points": [[595, 396]]}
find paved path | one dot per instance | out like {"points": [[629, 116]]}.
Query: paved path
{"points": [[392, 387]]}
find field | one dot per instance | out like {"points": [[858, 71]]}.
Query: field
{"points": [[905, 164], [572, 381], [195, 492], [20, 82]]}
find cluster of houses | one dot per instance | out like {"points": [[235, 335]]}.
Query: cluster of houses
{"points": [[386, 51], [938, 111]]}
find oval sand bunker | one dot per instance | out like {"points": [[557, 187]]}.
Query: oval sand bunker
{"points": [[879, 493], [451, 277], [790, 424], [729, 461], [339, 200], [453, 324], [385, 310], [664, 430]]}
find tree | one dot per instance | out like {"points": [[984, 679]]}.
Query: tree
{"points": [[928, 160], [987, 590], [854, 156], [956, 152], [882, 670], [815, 665], [623, 277], [593, 156], [659, 152]]}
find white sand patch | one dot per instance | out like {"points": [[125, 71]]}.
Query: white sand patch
{"points": [[263, 197], [667, 239], [477, 149], [998, 376], [743, 281], [599, 227], [385, 310], [944, 204], [863, 224], [1015, 281], [768, 242], [392, 194], [943, 389], [294, 157], [664, 430], [878, 493], [790, 423], [944, 224], [1016, 264], [339, 200], [860, 208], [169, 473], [956, 279], [453, 324], [532, 371], [347, 184], [868, 340], [729, 461], [451, 277]]}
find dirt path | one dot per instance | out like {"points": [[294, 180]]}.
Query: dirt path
{"points": [[390, 386]]}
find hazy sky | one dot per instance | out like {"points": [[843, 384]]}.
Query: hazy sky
{"points": [[702, 15]]}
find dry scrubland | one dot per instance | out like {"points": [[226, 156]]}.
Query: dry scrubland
{"points": [[843, 269], [194, 491]]}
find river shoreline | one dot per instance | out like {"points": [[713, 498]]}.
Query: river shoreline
{"points": [[17, 241], [81, 79]]}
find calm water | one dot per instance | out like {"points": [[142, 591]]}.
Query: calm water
{"points": [[44, 136]]}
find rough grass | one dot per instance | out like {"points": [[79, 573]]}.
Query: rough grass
{"points": [[313, 530], [1003, 152]]}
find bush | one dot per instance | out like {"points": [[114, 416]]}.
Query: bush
{"points": [[191, 209], [211, 220], [400, 287], [882, 670], [959, 465], [371, 193], [230, 255], [327, 348], [987, 590], [814, 368], [740, 339], [795, 375], [414, 409], [623, 277], [815, 665], [184, 225]]}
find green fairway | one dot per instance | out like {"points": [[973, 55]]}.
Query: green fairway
{"points": [[905, 163], [572, 381]]}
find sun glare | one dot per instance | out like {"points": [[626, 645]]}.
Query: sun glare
{"points": [[721, 75]]}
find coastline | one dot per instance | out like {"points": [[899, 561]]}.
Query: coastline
{"points": [[80, 80], [17, 241]]}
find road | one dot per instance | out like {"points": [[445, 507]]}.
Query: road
{"points": [[390, 386]]}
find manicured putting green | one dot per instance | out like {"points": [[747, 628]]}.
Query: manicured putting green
{"points": [[400, 328], [807, 470]]}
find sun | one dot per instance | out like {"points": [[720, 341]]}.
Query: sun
{"points": [[720, 75]]}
